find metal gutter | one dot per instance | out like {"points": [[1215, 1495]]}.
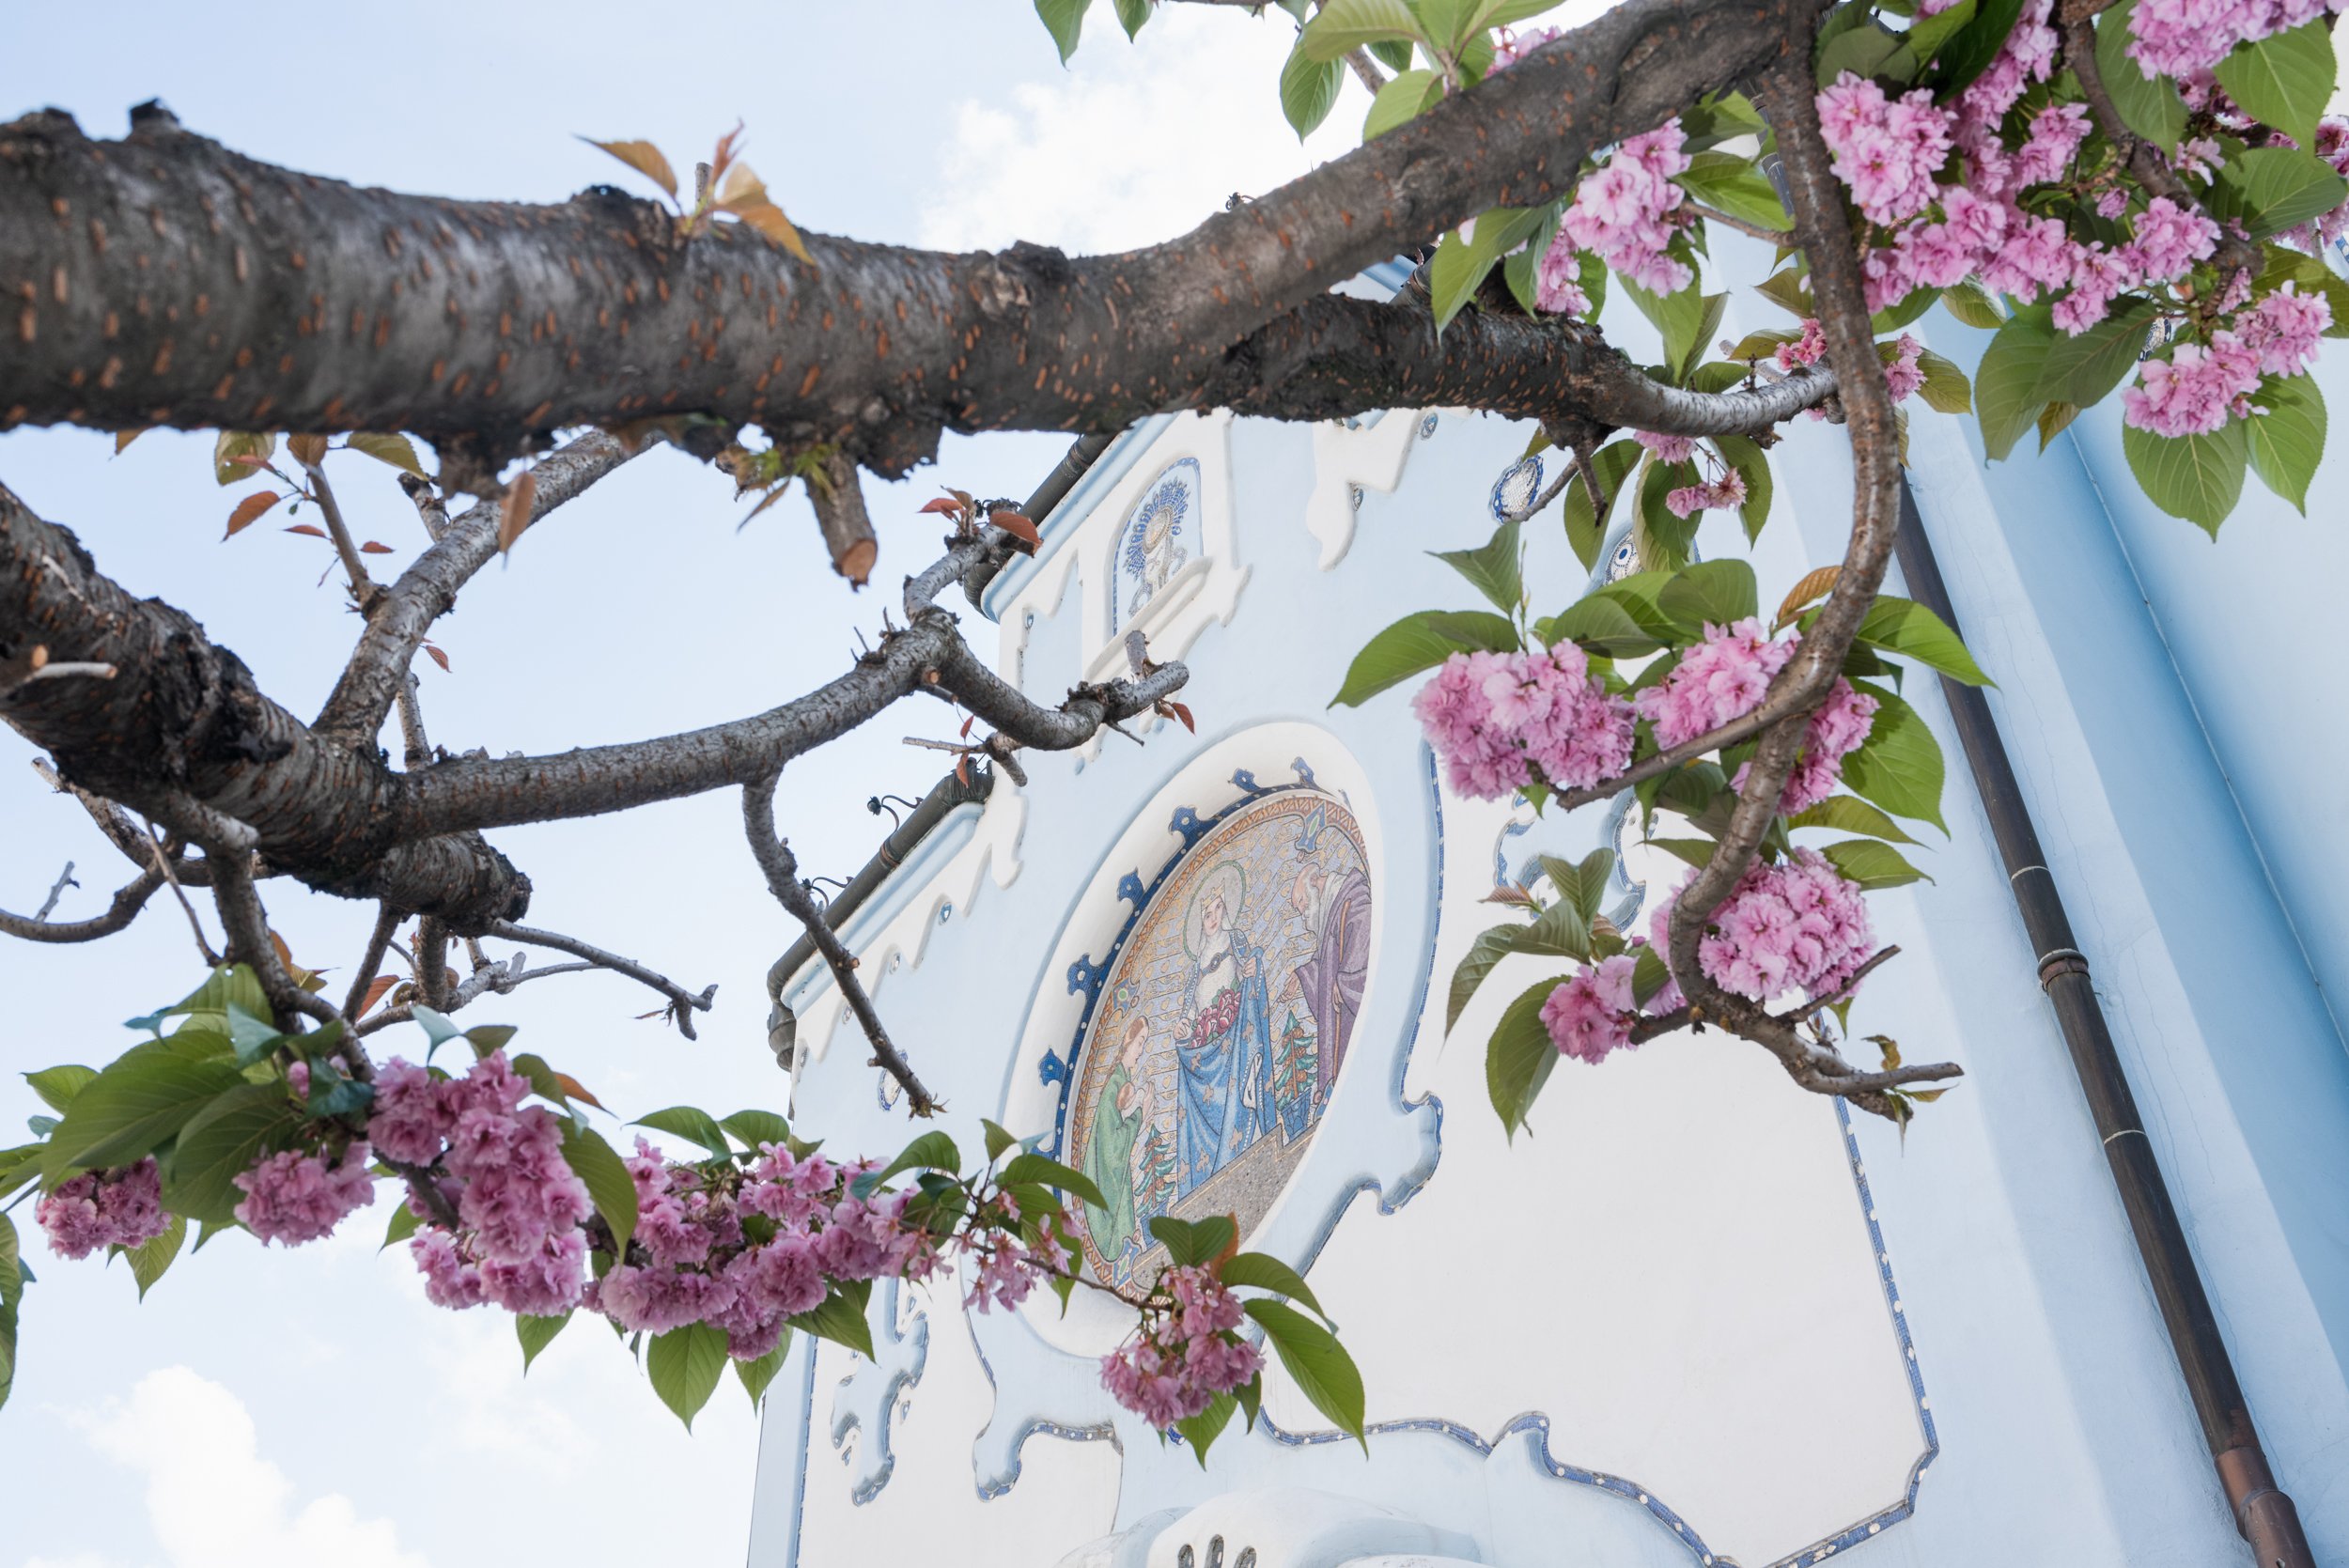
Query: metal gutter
{"points": [[1082, 454], [2263, 1513], [783, 1025]]}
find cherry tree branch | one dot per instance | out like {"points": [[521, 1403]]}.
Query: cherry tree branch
{"points": [[128, 901], [782, 869], [683, 1003]]}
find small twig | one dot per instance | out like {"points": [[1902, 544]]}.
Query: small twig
{"points": [[239, 904], [128, 902], [362, 587], [683, 1003], [56, 890], [387, 921], [164, 863], [432, 975], [411, 701], [497, 980], [1813, 1009], [1357, 60], [782, 870], [1775, 235]]}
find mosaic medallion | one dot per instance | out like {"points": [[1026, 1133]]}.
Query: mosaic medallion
{"points": [[1225, 1021]]}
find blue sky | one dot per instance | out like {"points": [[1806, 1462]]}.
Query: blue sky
{"points": [[265, 1408]]}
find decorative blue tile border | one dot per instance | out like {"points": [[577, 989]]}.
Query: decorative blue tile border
{"points": [[1536, 1426]]}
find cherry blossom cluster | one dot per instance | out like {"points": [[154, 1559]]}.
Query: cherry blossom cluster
{"points": [[1794, 924], [2187, 38], [1726, 490], [1837, 729], [2199, 388], [1626, 212], [1187, 1351], [1717, 681], [1589, 1016], [1496, 717], [295, 1196], [122, 1206]]}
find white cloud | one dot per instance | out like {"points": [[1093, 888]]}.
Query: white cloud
{"points": [[1135, 143], [212, 1502]]}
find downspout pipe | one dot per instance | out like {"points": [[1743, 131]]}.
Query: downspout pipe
{"points": [[2263, 1513]]}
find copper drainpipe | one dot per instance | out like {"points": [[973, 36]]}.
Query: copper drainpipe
{"points": [[2263, 1514]]}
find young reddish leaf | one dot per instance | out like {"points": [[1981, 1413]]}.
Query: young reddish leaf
{"points": [[398, 451], [307, 450], [372, 548], [644, 158], [515, 516], [124, 438], [966, 726], [739, 187], [250, 511], [962, 769], [1017, 527], [1184, 714], [1814, 586], [310, 528], [577, 1091], [438, 657], [251, 461], [766, 217], [381, 984], [728, 145], [943, 503]]}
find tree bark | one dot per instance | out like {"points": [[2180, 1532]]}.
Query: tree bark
{"points": [[166, 280]]}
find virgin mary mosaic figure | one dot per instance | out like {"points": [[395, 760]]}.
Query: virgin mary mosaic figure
{"points": [[1223, 1033]]}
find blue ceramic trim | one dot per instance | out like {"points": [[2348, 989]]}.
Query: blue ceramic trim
{"points": [[897, 1380], [1060, 524]]}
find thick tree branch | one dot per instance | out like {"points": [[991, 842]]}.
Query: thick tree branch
{"points": [[275, 300], [782, 870], [683, 1003], [427, 590]]}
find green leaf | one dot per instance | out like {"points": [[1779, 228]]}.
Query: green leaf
{"points": [[1899, 766], [1394, 53], [1454, 273], [1421, 642], [222, 1141], [2275, 188], [838, 1319], [755, 1128], [1711, 593], [1649, 974], [1559, 931], [686, 1363], [11, 1291], [1263, 1271], [1872, 865], [930, 1151], [252, 1037], [1685, 321], [1901, 311], [2196, 477], [1907, 628], [1407, 95], [1789, 292], [1308, 88], [1194, 1242], [755, 1375], [1033, 1167], [1496, 567], [208, 1002], [2006, 384], [598, 1165], [1945, 390], [149, 1258], [2082, 370], [19, 1166], [1972, 306], [1747, 457], [1865, 51], [2285, 442], [2149, 106], [127, 1111], [537, 1333], [697, 1126], [1065, 20], [1969, 51], [437, 1028], [998, 1139], [1132, 14], [1728, 183], [1345, 25], [1311, 1356], [398, 451], [1662, 539], [56, 1086], [1846, 814], [1586, 527], [2285, 80], [1201, 1431], [1640, 596], [1520, 1057], [1600, 624], [1928, 34], [403, 1225], [1582, 884], [2054, 420]]}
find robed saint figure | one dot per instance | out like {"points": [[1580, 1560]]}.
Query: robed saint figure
{"points": [[1223, 1042]]}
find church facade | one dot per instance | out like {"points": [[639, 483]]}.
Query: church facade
{"points": [[1693, 1316]]}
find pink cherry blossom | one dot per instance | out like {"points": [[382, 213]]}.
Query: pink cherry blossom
{"points": [[1589, 1016], [121, 1206], [1718, 680], [293, 1197]]}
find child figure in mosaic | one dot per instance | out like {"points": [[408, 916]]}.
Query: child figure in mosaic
{"points": [[1118, 1117]]}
